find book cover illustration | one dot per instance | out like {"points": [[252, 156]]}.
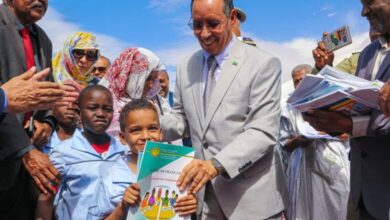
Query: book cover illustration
{"points": [[158, 171]]}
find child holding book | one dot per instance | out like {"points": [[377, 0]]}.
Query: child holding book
{"points": [[139, 123]]}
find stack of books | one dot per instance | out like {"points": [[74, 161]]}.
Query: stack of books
{"points": [[334, 90]]}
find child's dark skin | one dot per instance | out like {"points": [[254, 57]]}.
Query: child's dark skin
{"points": [[67, 118], [96, 111]]}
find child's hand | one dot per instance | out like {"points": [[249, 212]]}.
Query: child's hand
{"points": [[186, 205], [131, 197]]}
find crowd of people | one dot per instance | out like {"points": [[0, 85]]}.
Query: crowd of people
{"points": [[72, 125]]}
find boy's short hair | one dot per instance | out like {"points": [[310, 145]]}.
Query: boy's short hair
{"points": [[135, 104], [89, 88]]}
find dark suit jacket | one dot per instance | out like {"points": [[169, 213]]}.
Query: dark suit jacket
{"points": [[370, 155], [13, 138], [2, 98]]}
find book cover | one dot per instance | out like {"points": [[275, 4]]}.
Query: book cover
{"points": [[159, 169]]}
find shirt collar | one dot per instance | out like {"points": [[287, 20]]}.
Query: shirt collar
{"points": [[81, 143], [225, 52], [383, 43]]}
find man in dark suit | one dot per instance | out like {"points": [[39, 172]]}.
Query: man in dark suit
{"points": [[23, 45], [370, 140]]}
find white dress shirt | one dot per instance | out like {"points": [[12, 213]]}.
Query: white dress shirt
{"points": [[221, 58]]}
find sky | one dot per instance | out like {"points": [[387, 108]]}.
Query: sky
{"points": [[287, 29]]}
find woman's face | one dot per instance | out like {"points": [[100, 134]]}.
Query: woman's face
{"points": [[149, 83], [85, 58]]}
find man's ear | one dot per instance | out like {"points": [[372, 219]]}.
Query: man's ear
{"points": [[122, 138], [233, 17]]}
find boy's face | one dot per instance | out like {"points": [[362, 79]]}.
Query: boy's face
{"points": [[67, 115], [96, 110], [141, 125]]}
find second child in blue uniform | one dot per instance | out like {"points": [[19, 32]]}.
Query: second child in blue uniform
{"points": [[139, 123]]}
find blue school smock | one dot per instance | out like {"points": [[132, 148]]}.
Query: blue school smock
{"points": [[92, 184], [54, 141]]}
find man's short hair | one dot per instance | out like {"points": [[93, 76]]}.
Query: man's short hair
{"points": [[302, 67], [240, 15], [135, 104], [90, 88], [227, 9], [104, 57]]}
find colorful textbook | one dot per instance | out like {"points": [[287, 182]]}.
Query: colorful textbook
{"points": [[334, 90], [159, 168]]}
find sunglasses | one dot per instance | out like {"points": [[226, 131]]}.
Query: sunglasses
{"points": [[99, 69], [89, 54], [198, 25]]}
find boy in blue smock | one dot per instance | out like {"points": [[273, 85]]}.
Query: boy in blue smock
{"points": [[94, 172], [139, 123], [67, 122]]}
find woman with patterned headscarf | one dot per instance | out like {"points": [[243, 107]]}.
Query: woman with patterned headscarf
{"points": [[76, 59], [133, 75]]}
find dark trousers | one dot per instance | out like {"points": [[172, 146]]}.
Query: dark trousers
{"points": [[363, 212], [19, 201]]}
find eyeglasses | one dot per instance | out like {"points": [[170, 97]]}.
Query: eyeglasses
{"points": [[198, 25], [89, 54], [99, 69]]}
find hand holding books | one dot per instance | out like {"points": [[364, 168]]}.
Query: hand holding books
{"points": [[196, 174], [329, 121], [184, 206], [132, 195], [156, 195]]}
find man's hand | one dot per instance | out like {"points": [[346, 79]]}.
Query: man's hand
{"points": [[26, 93], [186, 205], [322, 56], [303, 141], [132, 195], [296, 141], [329, 122], [41, 170], [196, 174], [384, 99], [41, 134]]}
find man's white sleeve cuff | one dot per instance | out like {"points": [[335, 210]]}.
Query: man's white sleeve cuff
{"points": [[360, 125]]}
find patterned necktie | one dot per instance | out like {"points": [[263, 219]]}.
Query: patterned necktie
{"points": [[211, 81], [28, 48], [29, 55]]}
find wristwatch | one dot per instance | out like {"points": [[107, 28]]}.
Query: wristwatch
{"points": [[218, 166]]}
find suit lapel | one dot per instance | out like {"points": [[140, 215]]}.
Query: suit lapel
{"points": [[382, 69], [14, 34], [367, 61], [41, 47], [197, 90], [370, 67], [229, 71]]}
